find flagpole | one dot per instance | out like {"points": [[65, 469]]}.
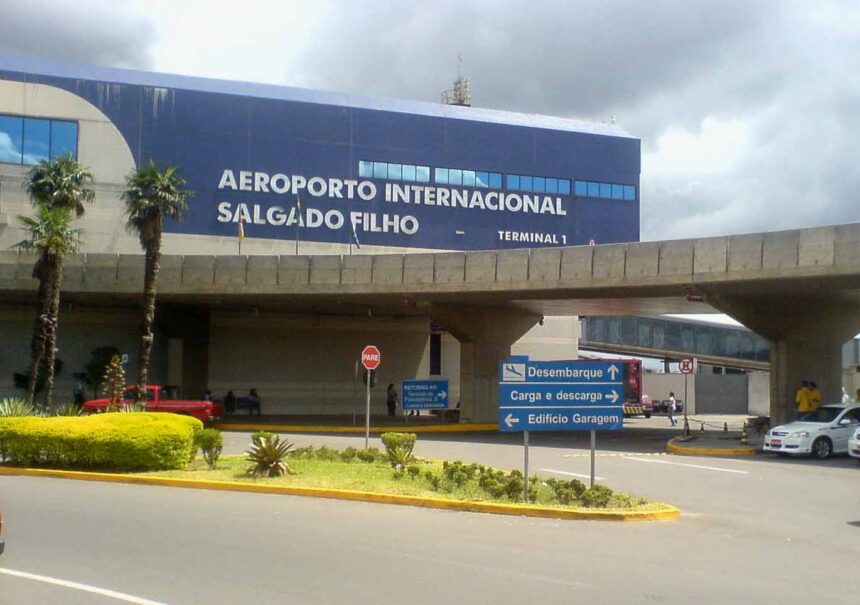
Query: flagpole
{"points": [[298, 222]]}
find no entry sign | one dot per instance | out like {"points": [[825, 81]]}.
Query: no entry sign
{"points": [[370, 357], [687, 365]]}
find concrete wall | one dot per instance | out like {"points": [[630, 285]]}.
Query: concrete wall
{"points": [[758, 386], [81, 331], [658, 386], [722, 394], [307, 364]]}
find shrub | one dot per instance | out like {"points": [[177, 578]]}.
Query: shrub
{"points": [[210, 442], [16, 407], [67, 409], [258, 436], [398, 447], [414, 470], [267, 457], [596, 496], [123, 442], [370, 455], [348, 455], [327, 453], [566, 491]]}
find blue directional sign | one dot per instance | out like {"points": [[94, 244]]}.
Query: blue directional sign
{"points": [[424, 394], [576, 395]]}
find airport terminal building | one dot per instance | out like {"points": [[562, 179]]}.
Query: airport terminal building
{"points": [[299, 173]]}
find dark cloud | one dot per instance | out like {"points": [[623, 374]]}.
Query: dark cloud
{"points": [[94, 33]]}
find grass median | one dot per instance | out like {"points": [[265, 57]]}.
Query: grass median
{"points": [[379, 477]]}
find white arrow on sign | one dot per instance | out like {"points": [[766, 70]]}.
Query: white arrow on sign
{"points": [[441, 394], [510, 420], [613, 371], [613, 396]]}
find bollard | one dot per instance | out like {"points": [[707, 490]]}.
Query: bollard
{"points": [[702, 428], [744, 434], [725, 427]]}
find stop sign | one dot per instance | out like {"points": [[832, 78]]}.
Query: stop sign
{"points": [[370, 357]]}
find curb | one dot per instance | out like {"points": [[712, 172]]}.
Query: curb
{"points": [[292, 428], [673, 446], [666, 512]]}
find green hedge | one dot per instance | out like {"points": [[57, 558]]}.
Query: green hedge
{"points": [[114, 441]]}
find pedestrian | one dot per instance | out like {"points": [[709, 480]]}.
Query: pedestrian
{"points": [[254, 403], [230, 402], [671, 407], [814, 397], [801, 398], [78, 393], [392, 399], [207, 396]]}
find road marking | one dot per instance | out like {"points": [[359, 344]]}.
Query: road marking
{"points": [[707, 468], [614, 455], [121, 596], [551, 470]]}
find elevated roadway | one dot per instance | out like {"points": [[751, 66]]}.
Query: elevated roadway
{"points": [[800, 289]]}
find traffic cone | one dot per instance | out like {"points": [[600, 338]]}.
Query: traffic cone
{"points": [[744, 434], [725, 427], [702, 428], [686, 428]]}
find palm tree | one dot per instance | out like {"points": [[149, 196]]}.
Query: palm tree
{"points": [[62, 185], [149, 198], [52, 237]]}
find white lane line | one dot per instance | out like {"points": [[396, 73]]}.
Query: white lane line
{"points": [[551, 470], [78, 586], [707, 468]]}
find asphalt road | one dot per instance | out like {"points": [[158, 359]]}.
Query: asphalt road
{"points": [[753, 531]]}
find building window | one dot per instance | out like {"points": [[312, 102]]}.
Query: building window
{"points": [[408, 172], [31, 140], [393, 172], [365, 169], [422, 174], [538, 184], [607, 191]]}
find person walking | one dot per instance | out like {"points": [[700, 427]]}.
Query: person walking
{"points": [[254, 403], [671, 407], [392, 399]]}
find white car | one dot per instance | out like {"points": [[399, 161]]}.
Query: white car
{"points": [[821, 433], [854, 445]]}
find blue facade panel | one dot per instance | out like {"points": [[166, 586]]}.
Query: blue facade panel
{"points": [[217, 132]]}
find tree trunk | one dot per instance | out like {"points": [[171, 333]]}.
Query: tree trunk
{"points": [[37, 346], [153, 258], [51, 332]]}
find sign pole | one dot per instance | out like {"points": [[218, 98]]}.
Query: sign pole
{"points": [[526, 465], [593, 444], [354, 394], [367, 415], [686, 402]]}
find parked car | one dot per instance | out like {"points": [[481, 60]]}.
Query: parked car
{"points": [[663, 406], [821, 433], [163, 399], [854, 445]]}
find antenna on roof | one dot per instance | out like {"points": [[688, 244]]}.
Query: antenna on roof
{"points": [[461, 94]]}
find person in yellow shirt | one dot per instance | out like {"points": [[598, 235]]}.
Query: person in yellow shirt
{"points": [[801, 398], [814, 397]]}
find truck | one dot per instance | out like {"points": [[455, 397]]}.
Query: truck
{"points": [[635, 404], [160, 398]]}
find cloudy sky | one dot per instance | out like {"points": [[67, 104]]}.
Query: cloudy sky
{"points": [[747, 110]]}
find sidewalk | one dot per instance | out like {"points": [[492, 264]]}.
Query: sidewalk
{"points": [[715, 443]]}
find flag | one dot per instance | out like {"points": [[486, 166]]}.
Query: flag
{"points": [[355, 236], [241, 231]]}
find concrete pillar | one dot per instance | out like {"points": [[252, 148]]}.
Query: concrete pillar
{"points": [[806, 337], [189, 325], [485, 336]]}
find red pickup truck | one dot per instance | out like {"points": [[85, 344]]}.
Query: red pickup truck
{"points": [[163, 399]]}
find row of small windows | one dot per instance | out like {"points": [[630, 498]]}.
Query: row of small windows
{"points": [[538, 184], [493, 180], [469, 178], [608, 191], [394, 172], [31, 140]]}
